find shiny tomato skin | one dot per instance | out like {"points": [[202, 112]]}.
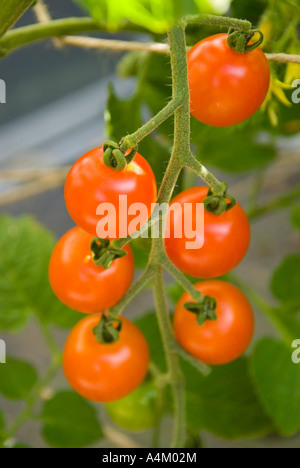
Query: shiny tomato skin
{"points": [[226, 88], [224, 340], [82, 285], [226, 239], [105, 372], [91, 183]]}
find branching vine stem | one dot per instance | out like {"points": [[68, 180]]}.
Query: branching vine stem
{"points": [[180, 158], [176, 377], [131, 141], [67, 28]]}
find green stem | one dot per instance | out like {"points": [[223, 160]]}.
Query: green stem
{"points": [[181, 279], [26, 412], [176, 377], [217, 187], [57, 28], [135, 289], [52, 346], [221, 21], [282, 202], [131, 141], [202, 368], [256, 190], [11, 11], [34, 396]]}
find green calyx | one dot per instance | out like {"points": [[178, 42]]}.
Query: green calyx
{"points": [[239, 41], [204, 310], [218, 204], [114, 158], [104, 253], [108, 330]]}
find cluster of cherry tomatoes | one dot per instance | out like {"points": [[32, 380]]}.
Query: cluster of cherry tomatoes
{"points": [[225, 88]]}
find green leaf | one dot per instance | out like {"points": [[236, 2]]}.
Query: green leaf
{"points": [[11, 11], [24, 287], [16, 379], [296, 217], [154, 15], [70, 421], [225, 403], [141, 250], [286, 280], [122, 116], [150, 14], [287, 323], [248, 10], [277, 381], [233, 150], [149, 326]]}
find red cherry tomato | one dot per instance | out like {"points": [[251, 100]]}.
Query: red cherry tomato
{"points": [[226, 88], [221, 341], [82, 285], [226, 238], [90, 183], [105, 372]]}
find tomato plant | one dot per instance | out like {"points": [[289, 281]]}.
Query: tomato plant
{"points": [[105, 372], [142, 403], [183, 371], [91, 183], [226, 88], [226, 238], [82, 285], [224, 339]]}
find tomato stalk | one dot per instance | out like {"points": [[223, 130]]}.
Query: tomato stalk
{"points": [[221, 21], [135, 289], [176, 376], [131, 141], [35, 395], [25, 35]]}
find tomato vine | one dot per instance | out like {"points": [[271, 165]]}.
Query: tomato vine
{"points": [[104, 253]]}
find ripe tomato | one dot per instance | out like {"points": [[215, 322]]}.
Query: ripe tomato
{"points": [[90, 183], [105, 372], [226, 238], [226, 88], [82, 285], [221, 341], [138, 411]]}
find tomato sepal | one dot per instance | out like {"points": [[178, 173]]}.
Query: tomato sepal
{"points": [[104, 253], [239, 41], [218, 204], [204, 310], [108, 330]]}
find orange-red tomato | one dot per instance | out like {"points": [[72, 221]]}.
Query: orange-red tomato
{"points": [[221, 341], [82, 285], [226, 88], [90, 183], [226, 238], [105, 372]]}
